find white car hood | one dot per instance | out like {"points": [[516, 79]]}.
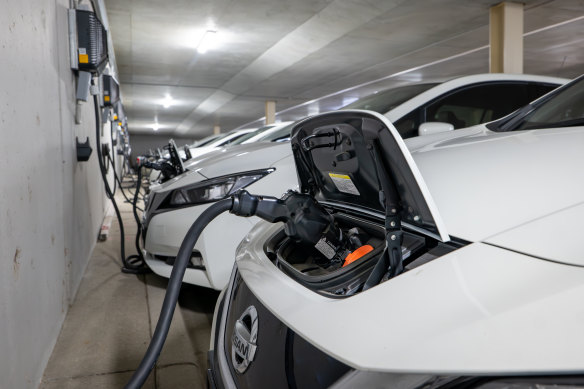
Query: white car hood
{"points": [[229, 160], [478, 310], [243, 158], [480, 194]]}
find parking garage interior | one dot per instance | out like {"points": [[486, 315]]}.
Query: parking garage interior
{"points": [[185, 70]]}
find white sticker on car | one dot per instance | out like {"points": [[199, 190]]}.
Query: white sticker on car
{"points": [[325, 248], [344, 183]]}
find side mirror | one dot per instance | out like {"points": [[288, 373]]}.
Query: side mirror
{"points": [[430, 128]]}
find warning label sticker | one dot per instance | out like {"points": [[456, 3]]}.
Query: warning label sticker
{"points": [[325, 248], [344, 183]]}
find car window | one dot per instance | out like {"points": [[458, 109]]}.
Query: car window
{"points": [[385, 101], [537, 90], [408, 125], [230, 139], [251, 134], [209, 139], [482, 103], [279, 135]]}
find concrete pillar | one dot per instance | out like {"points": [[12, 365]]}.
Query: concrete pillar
{"points": [[216, 130], [506, 38], [270, 112]]}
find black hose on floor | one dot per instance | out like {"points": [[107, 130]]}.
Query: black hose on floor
{"points": [[172, 292], [119, 181], [127, 267], [137, 258]]}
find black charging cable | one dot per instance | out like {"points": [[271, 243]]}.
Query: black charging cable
{"points": [[305, 220], [138, 258], [127, 267], [173, 290], [128, 200]]}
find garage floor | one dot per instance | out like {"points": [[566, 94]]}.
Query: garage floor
{"points": [[111, 321]]}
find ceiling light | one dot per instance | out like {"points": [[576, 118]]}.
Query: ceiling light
{"points": [[155, 127], [208, 41], [167, 101]]}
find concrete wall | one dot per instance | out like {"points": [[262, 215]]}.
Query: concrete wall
{"points": [[51, 206]]}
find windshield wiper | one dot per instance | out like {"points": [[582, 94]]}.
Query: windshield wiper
{"points": [[512, 121], [565, 123]]}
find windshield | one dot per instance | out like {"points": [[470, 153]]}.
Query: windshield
{"points": [[250, 135], [228, 139], [208, 140], [565, 108], [385, 101], [281, 135]]}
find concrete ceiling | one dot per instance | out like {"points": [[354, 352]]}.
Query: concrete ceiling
{"points": [[309, 55]]}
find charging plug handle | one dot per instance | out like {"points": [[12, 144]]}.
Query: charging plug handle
{"points": [[305, 220], [168, 171]]}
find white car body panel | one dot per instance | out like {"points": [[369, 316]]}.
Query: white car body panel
{"points": [[529, 169], [540, 237], [455, 294], [246, 157]]}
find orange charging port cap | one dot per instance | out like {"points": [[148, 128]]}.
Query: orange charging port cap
{"points": [[355, 255]]}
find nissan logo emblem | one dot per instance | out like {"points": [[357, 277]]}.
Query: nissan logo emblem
{"points": [[244, 340]]}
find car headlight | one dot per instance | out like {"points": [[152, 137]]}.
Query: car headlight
{"points": [[214, 189]]}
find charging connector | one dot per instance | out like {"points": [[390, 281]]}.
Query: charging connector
{"points": [[304, 220]]}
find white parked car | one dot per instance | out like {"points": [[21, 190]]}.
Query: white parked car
{"points": [[202, 147], [475, 277], [267, 133], [221, 141], [220, 173], [174, 205]]}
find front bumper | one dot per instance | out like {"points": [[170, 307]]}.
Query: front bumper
{"points": [[217, 243], [282, 359]]}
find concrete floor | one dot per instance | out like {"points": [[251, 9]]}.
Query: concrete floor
{"points": [[111, 321]]}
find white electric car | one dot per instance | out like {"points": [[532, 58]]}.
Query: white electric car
{"points": [[279, 132], [475, 273], [206, 145], [219, 142], [270, 169], [268, 133], [174, 205]]}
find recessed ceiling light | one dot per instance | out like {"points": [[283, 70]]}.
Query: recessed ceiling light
{"points": [[208, 41], [167, 101]]}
